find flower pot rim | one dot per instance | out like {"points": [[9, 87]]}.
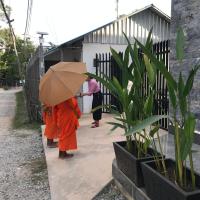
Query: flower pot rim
{"points": [[133, 156], [145, 164]]}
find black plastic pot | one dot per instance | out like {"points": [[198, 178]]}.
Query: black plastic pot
{"points": [[129, 164], [159, 187]]}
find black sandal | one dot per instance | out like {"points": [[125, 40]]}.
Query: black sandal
{"points": [[64, 154]]}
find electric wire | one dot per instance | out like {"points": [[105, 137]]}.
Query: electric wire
{"points": [[28, 18]]}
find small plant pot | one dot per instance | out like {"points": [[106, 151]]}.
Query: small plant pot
{"points": [[159, 187], [129, 164]]}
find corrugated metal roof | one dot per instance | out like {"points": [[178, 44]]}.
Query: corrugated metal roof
{"points": [[151, 7]]}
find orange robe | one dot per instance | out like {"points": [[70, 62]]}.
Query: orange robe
{"points": [[67, 120], [49, 117]]}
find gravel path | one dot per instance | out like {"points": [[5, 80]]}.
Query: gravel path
{"points": [[110, 192], [23, 172]]}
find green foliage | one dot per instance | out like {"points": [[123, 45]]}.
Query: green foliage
{"points": [[151, 71], [179, 98], [159, 65], [154, 130], [180, 41], [21, 120], [187, 136], [8, 60], [141, 125], [136, 113]]}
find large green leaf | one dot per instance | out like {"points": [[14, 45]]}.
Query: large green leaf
{"points": [[117, 58], [151, 72], [159, 65], [117, 85], [183, 106], [120, 91], [149, 41], [137, 78], [182, 98], [116, 125], [100, 107], [130, 47], [180, 42], [135, 54], [188, 136], [180, 85], [135, 60], [131, 67], [172, 96], [130, 122], [145, 123], [148, 106], [131, 106], [135, 67], [131, 93], [190, 80], [154, 130], [143, 67], [122, 64], [113, 128], [126, 56], [114, 110]]}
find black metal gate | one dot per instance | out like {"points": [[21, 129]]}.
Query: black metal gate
{"points": [[105, 64], [162, 50]]}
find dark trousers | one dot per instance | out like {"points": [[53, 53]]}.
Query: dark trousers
{"points": [[97, 101]]}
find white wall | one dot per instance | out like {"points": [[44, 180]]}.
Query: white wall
{"points": [[89, 52]]}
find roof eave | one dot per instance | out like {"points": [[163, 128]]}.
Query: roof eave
{"points": [[151, 7]]}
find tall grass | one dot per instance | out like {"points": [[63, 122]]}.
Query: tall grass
{"points": [[21, 120]]}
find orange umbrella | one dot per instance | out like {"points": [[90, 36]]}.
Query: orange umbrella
{"points": [[61, 82]]}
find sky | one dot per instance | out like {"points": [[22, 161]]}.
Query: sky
{"points": [[64, 20]]}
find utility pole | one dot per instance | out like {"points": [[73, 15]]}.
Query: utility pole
{"points": [[13, 40], [117, 8], [41, 56]]}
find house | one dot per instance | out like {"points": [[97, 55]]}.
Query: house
{"points": [[84, 48]]}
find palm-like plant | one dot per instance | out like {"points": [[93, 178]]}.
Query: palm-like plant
{"points": [[184, 124], [136, 113]]}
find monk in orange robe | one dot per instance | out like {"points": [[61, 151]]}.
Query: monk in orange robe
{"points": [[51, 130], [68, 114]]}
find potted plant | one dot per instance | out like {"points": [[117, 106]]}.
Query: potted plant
{"points": [[136, 110], [180, 182]]}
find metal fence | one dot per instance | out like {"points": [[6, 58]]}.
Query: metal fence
{"points": [[32, 79], [105, 64], [162, 50]]}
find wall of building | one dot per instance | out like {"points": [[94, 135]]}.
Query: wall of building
{"points": [[71, 54], [89, 52], [137, 26], [186, 14], [99, 41], [65, 54], [55, 56]]}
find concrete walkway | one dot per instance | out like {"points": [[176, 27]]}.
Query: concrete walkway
{"points": [[7, 109], [84, 175]]}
